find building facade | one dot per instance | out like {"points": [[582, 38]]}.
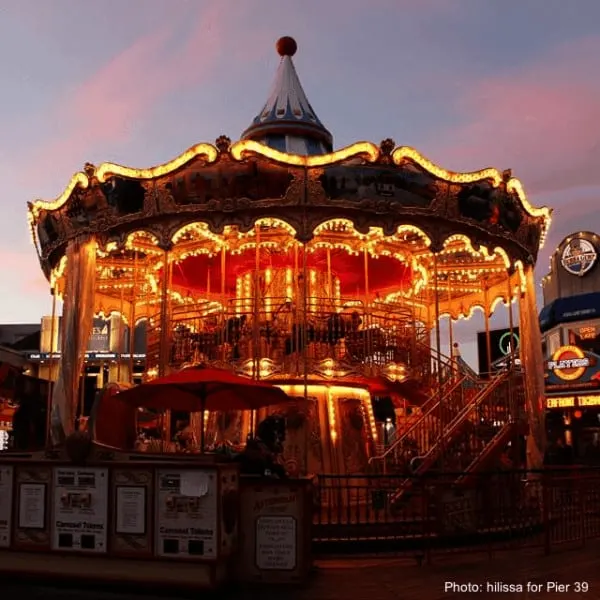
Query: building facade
{"points": [[570, 325]]}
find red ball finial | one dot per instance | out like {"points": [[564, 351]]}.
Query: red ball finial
{"points": [[286, 46]]}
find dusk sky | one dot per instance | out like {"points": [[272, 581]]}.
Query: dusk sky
{"points": [[470, 83]]}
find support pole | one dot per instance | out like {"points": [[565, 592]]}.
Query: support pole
{"points": [[121, 333], [132, 317], [511, 319], [368, 340], [450, 325], [513, 406], [488, 338], [224, 305], [256, 308], [329, 280], [296, 329], [51, 380], [305, 350], [164, 316], [223, 280], [438, 344]]}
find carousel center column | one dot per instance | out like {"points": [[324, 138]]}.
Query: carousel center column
{"points": [[78, 315], [532, 361], [165, 289]]}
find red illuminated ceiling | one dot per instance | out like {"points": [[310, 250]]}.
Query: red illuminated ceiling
{"points": [[385, 273]]}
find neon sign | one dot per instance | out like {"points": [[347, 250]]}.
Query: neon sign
{"points": [[563, 402], [569, 363], [509, 342], [573, 401]]}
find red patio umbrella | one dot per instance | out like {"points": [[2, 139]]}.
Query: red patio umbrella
{"points": [[197, 389], [408, 389]]}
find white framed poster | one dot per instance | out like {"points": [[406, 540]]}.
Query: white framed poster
{"points": [[186, 513], [32, 506], [80, 509], [131, 510], [276, 543], [6, 498]]}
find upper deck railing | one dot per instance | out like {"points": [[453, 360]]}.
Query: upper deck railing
{"points": [[287, 336]]}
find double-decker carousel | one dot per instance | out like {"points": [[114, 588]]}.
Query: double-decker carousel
{"points": [[324, 272]]}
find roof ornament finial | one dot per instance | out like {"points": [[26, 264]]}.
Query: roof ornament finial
{"points": [[287, 121], [286, 46]]}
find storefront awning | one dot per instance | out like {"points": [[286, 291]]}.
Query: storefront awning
{"points": [[566, 310]]}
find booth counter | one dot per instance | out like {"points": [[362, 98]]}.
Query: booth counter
{"points": [[153, 512]]}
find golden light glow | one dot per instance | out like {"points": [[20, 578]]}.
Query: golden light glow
{"points": [[569, 373], [369, 151], [544, 212], [274, 223], [107, 170], [200, 229], [560, 402], [497, 301], [205, 151], [368, 408], [57, 273], [588, 400], [80, 179], [331, 413], [494, 175], [408, 229], [403, 152]]}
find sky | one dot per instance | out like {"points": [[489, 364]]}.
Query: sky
{"points": [[470, 83]]}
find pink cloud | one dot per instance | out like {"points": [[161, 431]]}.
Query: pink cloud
{"points": [[113, 100], [541, 120], [24, 273]]}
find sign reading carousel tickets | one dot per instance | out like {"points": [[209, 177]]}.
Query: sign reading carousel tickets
{"points": [[186, 508], [80, 509]]}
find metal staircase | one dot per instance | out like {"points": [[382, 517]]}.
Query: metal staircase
{"points": [[452, 385], [474, 436], [514, 424], [463, 427]]}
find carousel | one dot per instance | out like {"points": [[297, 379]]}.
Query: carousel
{"points": [[325, 273]]}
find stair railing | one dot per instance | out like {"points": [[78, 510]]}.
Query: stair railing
{"points": [[429, 412], [449, 431]]}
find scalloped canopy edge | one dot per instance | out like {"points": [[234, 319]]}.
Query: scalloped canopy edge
{"points": [[241, 149]]}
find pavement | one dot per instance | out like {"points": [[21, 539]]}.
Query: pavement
{"points": [[567, 574]]}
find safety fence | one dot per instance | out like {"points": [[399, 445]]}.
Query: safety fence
{"points": [[437, 514]]}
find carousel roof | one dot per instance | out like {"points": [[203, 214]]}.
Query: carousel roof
{"points": [[287, 121], [284, 170]]}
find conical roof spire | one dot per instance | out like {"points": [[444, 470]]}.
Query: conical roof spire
{"points": [[287, 121]]}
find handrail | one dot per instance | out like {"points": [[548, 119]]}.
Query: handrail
{"points": [[449, 362], [485, 452], [510, 361], [437, 396], [466, 410]]}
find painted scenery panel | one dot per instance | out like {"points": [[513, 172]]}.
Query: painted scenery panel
{"points": [[302, 435], [408, 185], [355, 440], [49, 228], [486, 204], [250, 179]]}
